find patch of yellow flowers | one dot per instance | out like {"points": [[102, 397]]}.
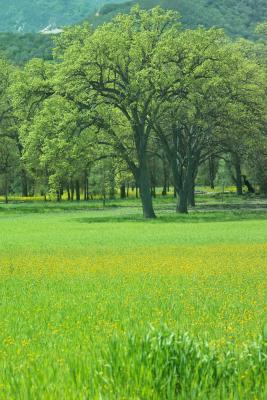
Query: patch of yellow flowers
{"points": [[219, 290]]}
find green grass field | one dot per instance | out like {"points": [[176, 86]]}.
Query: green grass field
{"points": [[81, 289]]}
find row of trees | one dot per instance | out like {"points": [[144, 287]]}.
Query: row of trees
{"points": [[138, 99]]}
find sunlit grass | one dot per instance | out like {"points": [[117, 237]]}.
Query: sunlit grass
{"points": [[72, 281]]}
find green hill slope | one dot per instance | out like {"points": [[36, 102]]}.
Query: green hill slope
{"points": [[34, 15], [20, 48], [237, 17]]}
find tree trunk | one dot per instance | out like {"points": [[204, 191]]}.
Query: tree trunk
{"points": [[153, 192], [77, 190], [191, 195], [263, 185], [104, 199], [164, 190], [72, 191], [84, 189], [183, 186], [24, 183], [86, 194], [123, 191], [192, 184], [87, 188], [6, 190], [145, 194], [261, 174], [112, 193], [238, 179], [68, 191], [212, 172], [182, 205]]}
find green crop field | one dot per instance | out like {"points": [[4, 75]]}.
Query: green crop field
{"points": [[99, 304]]}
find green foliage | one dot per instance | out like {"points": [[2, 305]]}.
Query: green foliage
{"points": [[137, 81], [34, 15], [82, 276], [257, 143], [112, 73], [9, 164], [20, 48], [55, 141], [223, 177], [237, 17]]}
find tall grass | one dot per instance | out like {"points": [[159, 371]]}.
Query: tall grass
{"points": [[163, 365], [71, 279]]}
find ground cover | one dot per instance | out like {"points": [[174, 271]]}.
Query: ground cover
{"points": [[80, 285]]}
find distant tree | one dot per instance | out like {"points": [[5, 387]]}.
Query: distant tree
{"points": [[57, 144], [9, 126], [30, 87]]}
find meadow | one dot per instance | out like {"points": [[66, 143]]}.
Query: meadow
{"points": [[99, 304]]}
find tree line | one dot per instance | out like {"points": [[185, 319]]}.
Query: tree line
{"points": [[138, 102]]}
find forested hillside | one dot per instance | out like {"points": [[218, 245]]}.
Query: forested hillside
{"points": [[20, 48], [237, 17], [34, 15]]}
